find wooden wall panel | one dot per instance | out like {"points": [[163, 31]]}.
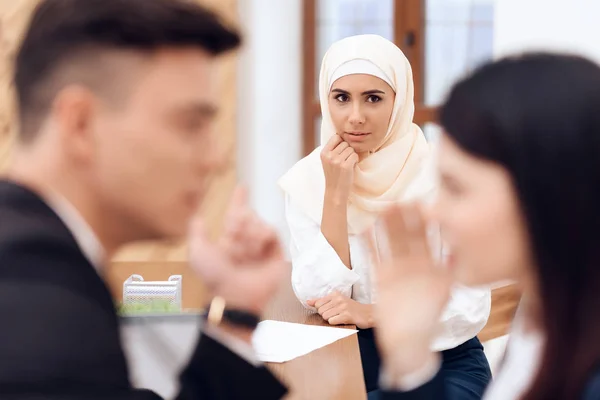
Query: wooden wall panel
{"points": [[14, 16], [155, 261]]}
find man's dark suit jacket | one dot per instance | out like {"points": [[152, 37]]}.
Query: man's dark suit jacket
{"points": [[59, 335]]}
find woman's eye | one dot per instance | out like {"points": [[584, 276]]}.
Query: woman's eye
{"points": [[342, 98], [452, 187], [193, 125], [373, 99]]}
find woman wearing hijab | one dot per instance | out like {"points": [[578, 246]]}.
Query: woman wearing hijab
{"points": [[518, 200], [372, 156]]}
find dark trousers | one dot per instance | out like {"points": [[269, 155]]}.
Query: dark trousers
{"points": [[465, 368]]}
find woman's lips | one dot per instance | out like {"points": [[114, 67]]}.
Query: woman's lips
{"points": [[357, 136]]}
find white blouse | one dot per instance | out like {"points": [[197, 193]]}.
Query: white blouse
{"points": [[520, 365], [317, 271]]}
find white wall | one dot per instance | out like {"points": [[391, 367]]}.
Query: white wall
{"points": [[269, 101], [557, 25]]}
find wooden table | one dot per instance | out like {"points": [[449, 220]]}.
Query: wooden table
{"points": [[330, 373], [335, 371]]}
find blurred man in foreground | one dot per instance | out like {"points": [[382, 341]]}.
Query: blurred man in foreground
{"points": [[116, 102]]}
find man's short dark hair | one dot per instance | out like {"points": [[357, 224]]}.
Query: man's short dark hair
{"points": [[63, 32]]}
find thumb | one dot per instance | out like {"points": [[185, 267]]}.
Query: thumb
{"points": [[199, 242], [239, 198], [197, 229], [204, 256]]}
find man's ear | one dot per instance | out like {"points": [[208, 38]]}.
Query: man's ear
{"points": [[73, 114]]}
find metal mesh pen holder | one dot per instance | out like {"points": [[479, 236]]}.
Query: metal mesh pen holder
{"points": [[136, 291]]}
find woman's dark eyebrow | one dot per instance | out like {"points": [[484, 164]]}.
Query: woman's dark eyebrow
{"points": [[373, 91], [340, 91]]}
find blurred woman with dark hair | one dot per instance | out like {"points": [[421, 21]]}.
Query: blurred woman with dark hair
{"points": [[520, 189]]}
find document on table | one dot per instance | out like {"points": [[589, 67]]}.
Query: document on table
{"points": [[277, 342]]}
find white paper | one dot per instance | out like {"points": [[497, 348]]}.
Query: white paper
{"points": [[277, 342]]}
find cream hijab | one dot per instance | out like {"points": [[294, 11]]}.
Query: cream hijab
{"points": [[398, 169]]}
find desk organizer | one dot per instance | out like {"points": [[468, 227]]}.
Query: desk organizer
{"points": [[152, 296]]}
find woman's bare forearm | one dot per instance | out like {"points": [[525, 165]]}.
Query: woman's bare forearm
{"points": [[334, 225]]}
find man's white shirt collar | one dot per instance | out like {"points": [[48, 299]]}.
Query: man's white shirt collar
{"points": [[82, 232]]}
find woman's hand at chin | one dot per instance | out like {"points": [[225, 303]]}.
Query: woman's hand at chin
{"points": [[338, 159]]}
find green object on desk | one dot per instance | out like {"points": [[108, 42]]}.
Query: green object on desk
{"points": [[147, 307]]}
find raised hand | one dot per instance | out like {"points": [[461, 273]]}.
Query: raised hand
{"points": [[412, 293], [246, 264]]}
